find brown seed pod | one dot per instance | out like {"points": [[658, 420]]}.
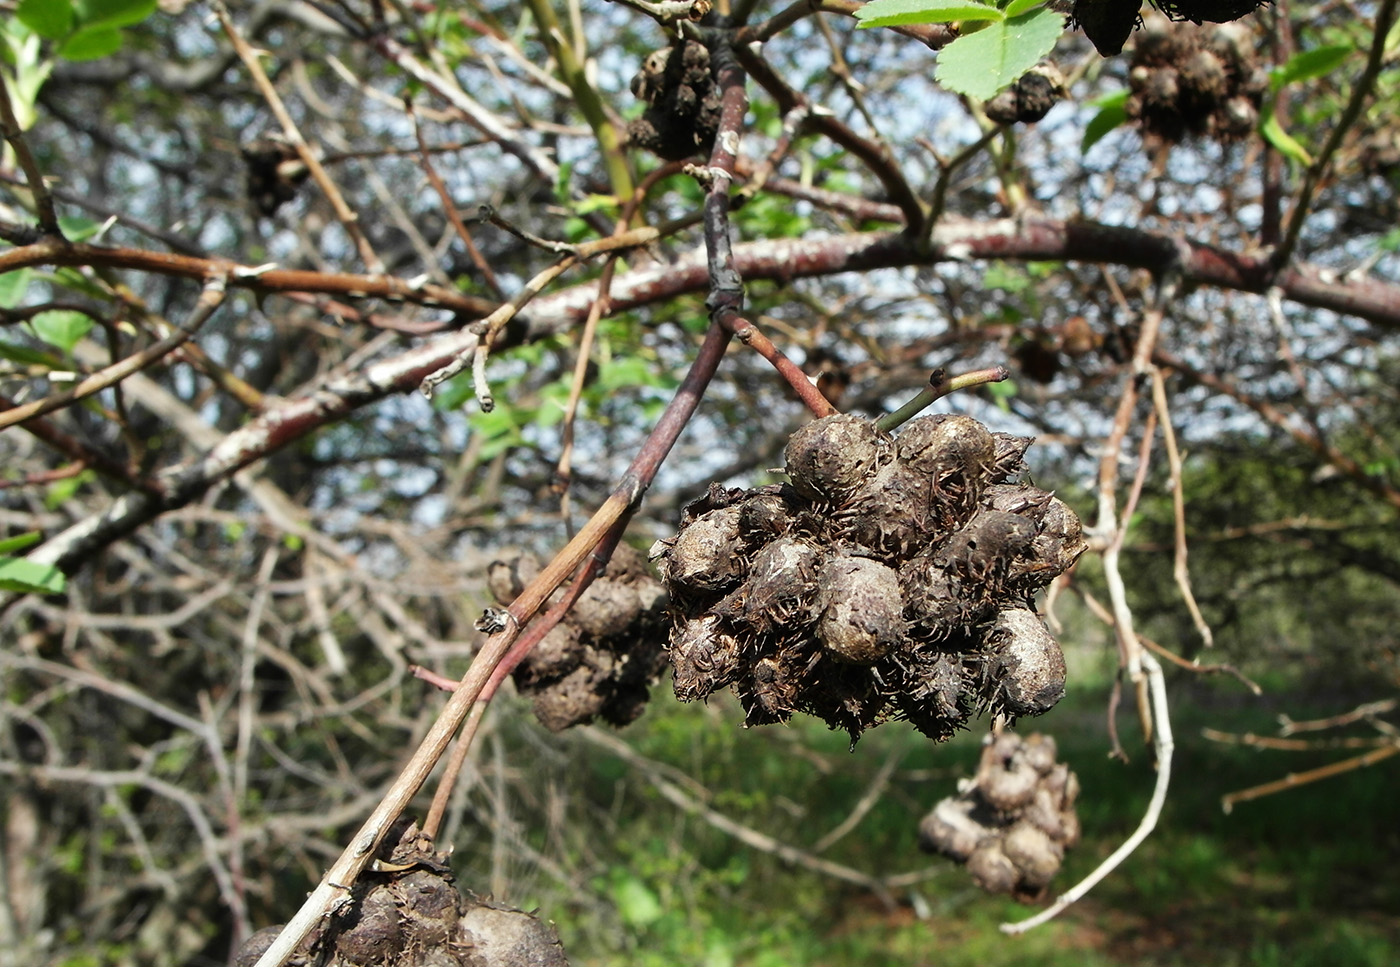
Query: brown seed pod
{"points": [[1030, 662], [1035, 854], [606, 608], [984, 550], [764, 517], [862, 612], [506, 579], [769, 693], [991, 869], [829, 459], [957, 452], [952, 829], [1009, 456], [707, 556], [890, 515], [781, 587], [704, 655], [557, 653]]}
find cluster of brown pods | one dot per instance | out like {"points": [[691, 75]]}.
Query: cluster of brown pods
{"points": [[602, 659], [1012, 822], [892, 578]]}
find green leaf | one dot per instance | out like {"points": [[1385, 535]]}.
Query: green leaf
{"points": [[637, 904], [981, 64], [1274, 133], [19, 542], [896, 13], [26, 356], [1309, 64], [1017, 7], [1112, 113], [90, 43], [114, 13], [61, 491], [19, 575], [76, 228], [13, 286], [61, 327], [52, 19]]}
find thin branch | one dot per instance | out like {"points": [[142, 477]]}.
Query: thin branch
{"points": [[1179, 569], [14, 134], [343, 213], [1295, 779], [1163, 744], [210, 299]]}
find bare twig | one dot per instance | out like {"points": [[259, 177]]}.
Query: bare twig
{"points": [[14, 134], [343, 212], [209, 300]]}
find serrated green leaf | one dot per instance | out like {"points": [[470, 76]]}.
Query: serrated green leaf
{"points": [[1284, 142], [90, 43], [1017, 7], [897, 13], [1112, 113], [52, 19], [981, 64], [113, 13], [13, 286], [1309, 64], [19, 542], [24, 577], [61, 327]]}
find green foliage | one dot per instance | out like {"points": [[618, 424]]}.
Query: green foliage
{"points": [[1112, 113], [1305, 65], [1006, 42], [61, 328], [25, 577], [83, 29]]}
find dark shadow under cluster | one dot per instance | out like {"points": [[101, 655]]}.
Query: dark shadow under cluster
{"points": [[893, 578], [1011, 823]]}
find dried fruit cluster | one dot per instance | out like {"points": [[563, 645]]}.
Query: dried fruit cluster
{"points": [[893, 578], [1189, 81], [412, 915], [683, 105], [1012, 822], [602, 659]]}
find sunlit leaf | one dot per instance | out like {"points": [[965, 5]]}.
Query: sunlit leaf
{"points": [[981, 64], [23, 577], [897, 13]]}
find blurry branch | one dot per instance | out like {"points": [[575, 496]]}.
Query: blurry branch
{"points": [[43, 201], [606, 129], [874, 155], [1218, 668], [1276, 418], [1382, 747], [1361, 90], [933, 36], [210, 299], [1179, 569], [349, 219], [1367, 712], [449, 207]]}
